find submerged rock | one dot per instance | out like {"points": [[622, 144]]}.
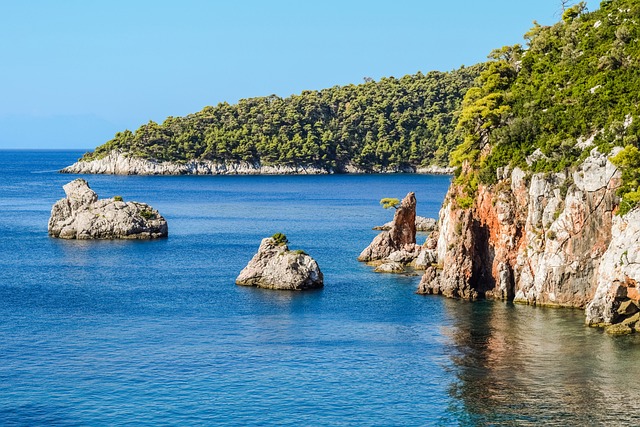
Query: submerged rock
{"points": [[82, 216], [276, 267], [390, 267]]}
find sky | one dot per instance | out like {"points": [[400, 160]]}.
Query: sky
{"points": [[73, 73]]}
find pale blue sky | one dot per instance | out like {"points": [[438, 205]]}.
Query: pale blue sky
{"points": [[72, 73]]}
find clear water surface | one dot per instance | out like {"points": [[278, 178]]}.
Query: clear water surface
{"points": [[141, 333]]}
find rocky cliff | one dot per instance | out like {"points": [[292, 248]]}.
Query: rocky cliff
{"points": [[120, 163], [82, 216], [545, 239]]}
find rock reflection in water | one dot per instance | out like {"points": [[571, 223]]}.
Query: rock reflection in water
{"points": [[519, 365]]}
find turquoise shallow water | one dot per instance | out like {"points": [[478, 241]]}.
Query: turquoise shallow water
{"points": [[117, 333]]}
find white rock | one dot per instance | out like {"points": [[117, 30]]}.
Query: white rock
{"points": [[619, 267], [425, 259], [390, 267], [82, 216], [120, 163], [275, 267], [422, 224]]}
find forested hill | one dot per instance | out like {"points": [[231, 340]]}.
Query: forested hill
{"points": [[388, 124], [544, 107]]}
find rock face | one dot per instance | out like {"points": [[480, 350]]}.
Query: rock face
{"points": [[82, 216], [617, 294], [422, 224], [276, 267], [120, 163], [547, 239]]}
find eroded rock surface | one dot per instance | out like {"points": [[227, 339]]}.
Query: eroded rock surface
{"points": [[82, 216], [276, 267], [545, 239], [617, 294]]}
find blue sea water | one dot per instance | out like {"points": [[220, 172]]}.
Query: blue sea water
{"points": [[156, 333]]}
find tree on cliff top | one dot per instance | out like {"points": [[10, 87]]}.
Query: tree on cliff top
{"points": [[389, 203]]}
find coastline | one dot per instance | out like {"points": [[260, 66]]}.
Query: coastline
{"points": [[118, 163]]}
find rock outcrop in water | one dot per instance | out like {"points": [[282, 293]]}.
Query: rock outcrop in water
{"points": [[395, 248], [544, 239], [120, 163], [422, 224], [276, 267], [401, 236], [82, 216]]}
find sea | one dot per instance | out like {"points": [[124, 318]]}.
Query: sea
{"points": [[116, 333]]}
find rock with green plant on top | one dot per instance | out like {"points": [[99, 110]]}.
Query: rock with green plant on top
{"points": [[277, 267], [82, 216], [401, 236]]}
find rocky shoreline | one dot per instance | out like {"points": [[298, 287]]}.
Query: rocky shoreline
{"points": [[120, 163], [549, 239]]}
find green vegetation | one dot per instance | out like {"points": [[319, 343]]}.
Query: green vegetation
{"points": [[389, 202], [392, 123], [574, 80], [117, 198], [280, 239], [628, 160], [147, 214], [299, 252]]}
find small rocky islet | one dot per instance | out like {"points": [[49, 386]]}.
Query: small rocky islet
{"points": [[274, 266], [80, 215]]}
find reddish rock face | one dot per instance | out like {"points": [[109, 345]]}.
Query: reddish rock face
{"points": [[402, 235], [403, 230], [535, 239]]}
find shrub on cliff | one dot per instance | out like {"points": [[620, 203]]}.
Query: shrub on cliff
{"points": [[280, 239]]}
